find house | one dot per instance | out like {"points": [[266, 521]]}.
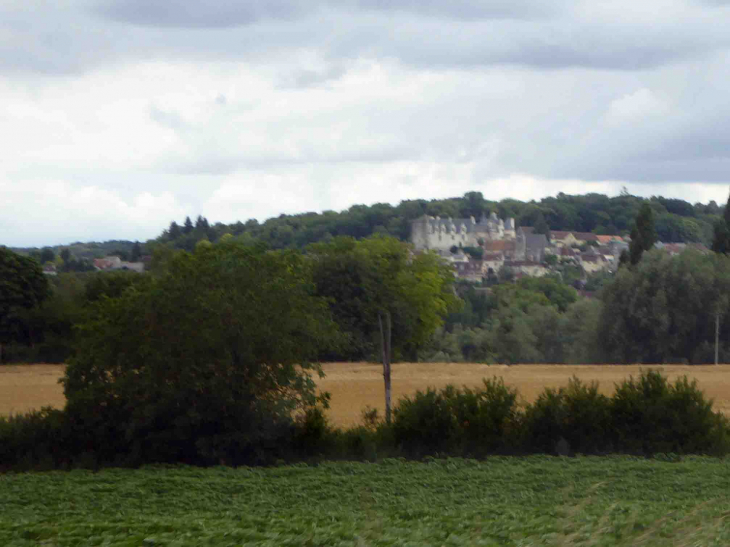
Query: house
{"points": [[527, 268], [114, 263], [563, 239], [505, 247], [534, 247], [568, 254], [492, 261], [593, 262], [50, 269], [470, 271], [585, 237]]}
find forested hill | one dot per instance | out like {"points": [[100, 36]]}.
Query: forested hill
{"points": [[676, 220]]}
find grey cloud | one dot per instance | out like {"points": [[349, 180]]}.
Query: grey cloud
{"points": [[217, 14], [467, 9], [425, 34], [199, 13]]}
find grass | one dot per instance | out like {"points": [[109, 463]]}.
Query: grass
{"points": [[356, 385], [500, 501]]}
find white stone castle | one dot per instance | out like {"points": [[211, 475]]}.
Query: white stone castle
{"points": [[441, 234]]}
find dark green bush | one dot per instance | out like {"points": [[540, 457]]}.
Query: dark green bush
{"points": [[652, 415], [574, 419], [424, 424], [457, 421], [35, 440]]}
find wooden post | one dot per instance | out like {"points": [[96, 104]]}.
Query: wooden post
{"points": [[717, 337], [385, 340]]}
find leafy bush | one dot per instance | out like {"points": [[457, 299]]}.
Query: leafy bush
{"points": [[206, 363], [457, 421], [652, 415], [35, 440], [425, 423], [577, 415]]}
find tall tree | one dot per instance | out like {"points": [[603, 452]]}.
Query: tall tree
{"points": [[136, 252], [22, 287], [188, 226], [174, 231], [643, 235], [47, 255], [379, 292], [721, 235]]}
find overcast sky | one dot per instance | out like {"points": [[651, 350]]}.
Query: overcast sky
{"points": [[118, 116]]}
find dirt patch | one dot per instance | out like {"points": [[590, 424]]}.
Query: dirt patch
{"points": [[356, 385]]}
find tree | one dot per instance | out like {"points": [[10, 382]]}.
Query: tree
{"points": [[541, 226], [47, 255], [187, 226], [665, 308], [22, 287], [643, 235], [206, 362], [174, 231], [376, 280], [65, 254], [136, 253], [721, 232]]}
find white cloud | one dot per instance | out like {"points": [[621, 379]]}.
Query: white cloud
{"points": [[634, 107]]}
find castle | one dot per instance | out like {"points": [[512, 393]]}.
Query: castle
{"points": [[441, 234]]}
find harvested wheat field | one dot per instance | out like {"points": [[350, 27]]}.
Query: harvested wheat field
{"points": [[28, 387], [356, 385]]}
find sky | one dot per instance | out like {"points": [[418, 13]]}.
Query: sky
{"points": [[119, 116]]}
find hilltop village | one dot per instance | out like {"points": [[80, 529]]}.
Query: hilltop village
{"points": [[490, 246]]}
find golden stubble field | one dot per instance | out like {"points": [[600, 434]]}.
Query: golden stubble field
{"points": [[356, 385]]}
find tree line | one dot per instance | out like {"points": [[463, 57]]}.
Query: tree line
{"points": [[676, 220]]}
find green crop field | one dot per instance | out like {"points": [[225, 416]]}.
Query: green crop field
{"points": [[501, 501]]}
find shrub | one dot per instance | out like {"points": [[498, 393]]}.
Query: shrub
{"points": [[425, 423], [457, 421], [651, 415], [577, 415], [37, 440]]}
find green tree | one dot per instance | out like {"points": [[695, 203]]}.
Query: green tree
{"points": [[22, 287], [136, 253], [47, 255], [664, 309], [174, 231], [541, 226], [206, 362], [721, 234], [366, 278], [643, 235], [187, 226], [375, 284]]}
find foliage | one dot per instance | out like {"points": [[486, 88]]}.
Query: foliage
{"points": [[663, 310], [457, 421], [22, 287], [652, 415], [620, 501], [205, 362], [643, 234], [721, 232], [363, 279], [577, 415]]}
